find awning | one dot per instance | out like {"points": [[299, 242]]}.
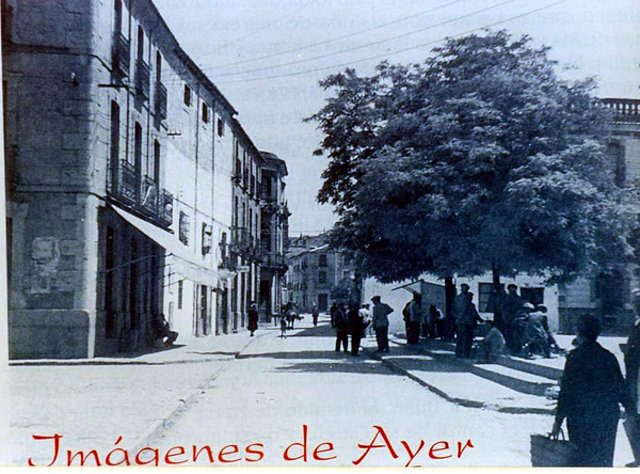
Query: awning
{"points": [[183, 261], [413, 287]]}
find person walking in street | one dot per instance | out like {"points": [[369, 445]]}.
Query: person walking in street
{"points": [[252, 325], [314, 314], [467, 319], [356, 327], [380, 321], [591, 390], [342, 329], [415, 319]]}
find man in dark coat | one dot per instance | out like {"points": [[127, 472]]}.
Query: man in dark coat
{"points": [[342, 329], [467, 319], [591, 390], [356, 327], [511, 308], [380, 322], [252, 325]]}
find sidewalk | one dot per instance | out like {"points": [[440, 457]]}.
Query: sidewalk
{"points": [[91, 402]]}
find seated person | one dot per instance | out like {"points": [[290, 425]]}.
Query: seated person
{"points": [[162, 330], [536, 337], [493, 344]]}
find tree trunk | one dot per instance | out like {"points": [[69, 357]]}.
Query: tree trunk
{"points": [[449, 294], [497, 296]]}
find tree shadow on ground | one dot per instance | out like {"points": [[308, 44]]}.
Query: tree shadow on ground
{"points": [[357, 365], [328, 354], [324, 330], [423, 364], [222, 353]]}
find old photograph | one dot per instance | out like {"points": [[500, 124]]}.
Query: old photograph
{"points": [[319, 233]]}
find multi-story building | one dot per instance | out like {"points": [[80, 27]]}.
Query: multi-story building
{"points": [[125, 200], [317, 272], [245, 232], [274, 232]]}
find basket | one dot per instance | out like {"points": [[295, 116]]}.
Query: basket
{"points": [[548, 452]]}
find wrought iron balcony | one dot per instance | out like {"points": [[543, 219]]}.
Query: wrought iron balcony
{"points": [[274, 260], [624, 110], [161, 101], [142, 79], [121, 54], [141, 194]]}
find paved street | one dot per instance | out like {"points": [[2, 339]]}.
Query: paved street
{"points": [[279, 385], [275, 386]]}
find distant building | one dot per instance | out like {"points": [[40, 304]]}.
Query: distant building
{"points": [[134, 193], [274, 235], [315, 270]]}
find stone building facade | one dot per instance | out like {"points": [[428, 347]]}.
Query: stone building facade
{"points": [[317, 273], [122, 172], [274, 235]]}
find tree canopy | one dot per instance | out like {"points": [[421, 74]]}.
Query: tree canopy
{"points": [[481, 158]]}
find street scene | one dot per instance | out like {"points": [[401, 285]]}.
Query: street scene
{"points": [[300, 233]]}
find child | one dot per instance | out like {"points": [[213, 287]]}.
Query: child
{"points": [[283, 328]]}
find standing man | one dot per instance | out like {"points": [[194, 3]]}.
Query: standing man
{"points": [[342, 329], [381, 323], [356, 327], [467, 318], [315, 313], [415, 319], [252, 326], [512, 306]]}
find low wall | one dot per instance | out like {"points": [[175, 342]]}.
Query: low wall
{"points": [[48, 334]]}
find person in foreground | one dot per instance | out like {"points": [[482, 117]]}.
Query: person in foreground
{"points": [[591, 390]]}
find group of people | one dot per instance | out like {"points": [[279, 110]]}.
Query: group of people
{"points": [[353, 320], [523, 329]]}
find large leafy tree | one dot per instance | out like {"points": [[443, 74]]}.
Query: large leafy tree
{"points": [[479, 159]]}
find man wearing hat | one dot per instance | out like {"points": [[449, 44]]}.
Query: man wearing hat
{"points": [[380, 323]]}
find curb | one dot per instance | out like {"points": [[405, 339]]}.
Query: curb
{"points": [[464, 402], [184, 405], [79, 362]]}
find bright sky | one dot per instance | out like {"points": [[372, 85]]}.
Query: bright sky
{"points": [[273, 84]]}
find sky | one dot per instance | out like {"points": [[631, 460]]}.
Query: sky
{"points": [[267, 56]]}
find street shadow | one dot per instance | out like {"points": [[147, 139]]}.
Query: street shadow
{"points": [[324, 330], [328, 354], [355, 365], [222, 353], [143, 352], [425, 365]]}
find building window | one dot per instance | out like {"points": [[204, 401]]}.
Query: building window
{"points": [[158, 67], [322, 278], [117, 26], [485, 297], [322, 260], [187, 95], [207, 238], [110, 316], [156, 162], [220, 127], [114, 153], [205, 113], [183, 231], [534, 296], [137, 149], [180, 288]]}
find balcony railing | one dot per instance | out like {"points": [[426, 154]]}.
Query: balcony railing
{"points": [[274, 260], [161, 101], [121, 53], [142, 79], [141, 194], [245, 244], [624, 110]]}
